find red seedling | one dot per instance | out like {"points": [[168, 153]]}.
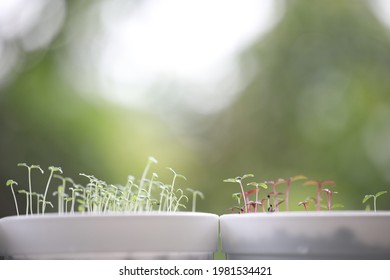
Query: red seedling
{"points": [[304, 204], [319, 185], [239, 181], [329, 193], [288, 182]]}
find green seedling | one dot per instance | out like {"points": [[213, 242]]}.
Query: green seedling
{"points": [[29, 168], [195, 194], [11, 184], [52, 169], [99, 197], [374, 196], [149, 204], [170, 197], [239, 181], [178, 200], [38, 200], [27, 199], [61, 192], [146, 170]]}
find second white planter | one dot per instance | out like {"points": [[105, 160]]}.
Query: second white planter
{"points": [[306, 235]]}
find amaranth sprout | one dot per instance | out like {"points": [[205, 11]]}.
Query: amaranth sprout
{"points": [[11, 184], [275, 193], [329, 194], [239, 181], [275, 200], [288, 182], [256, 191], [29, 168], [319, 185], [374, 196], [304, 204]]}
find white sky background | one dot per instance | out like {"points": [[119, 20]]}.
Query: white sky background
{"points": [[184, 50], [134, 52]]}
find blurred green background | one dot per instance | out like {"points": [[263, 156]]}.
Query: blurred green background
{"points": [[309, 95]]}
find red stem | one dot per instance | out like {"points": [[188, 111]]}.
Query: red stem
{"points": [[319, 197], [288, 182], [257, 197]]}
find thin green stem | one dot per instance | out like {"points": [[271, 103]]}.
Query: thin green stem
{"points": [[52, 170], [16, 203]]}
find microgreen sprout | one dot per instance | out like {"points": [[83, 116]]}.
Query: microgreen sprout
{"points": [[99, 197], [27, 199], [374, 196], [329, 194], [239, 181], [195, 194], [61, 192], [289, 182], [304, 204], [274, 184], [272, 201], [29, 168], [319, 185], [11, 184], [52, 169], [256, 191]]}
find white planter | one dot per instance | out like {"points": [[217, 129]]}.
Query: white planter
{"points": [[306, 235], [182, 235]]}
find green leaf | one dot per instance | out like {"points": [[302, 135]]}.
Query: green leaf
{"points": [[280, 181], [171, 169], [378, 194], [367, 197], [11, 183], [311, 183], [181, 176], [298, 177], [247, 176], [368, 208], [236, 195], [37, 167], [231, 180], [152, 159], [263, 185], [55, 169]]}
